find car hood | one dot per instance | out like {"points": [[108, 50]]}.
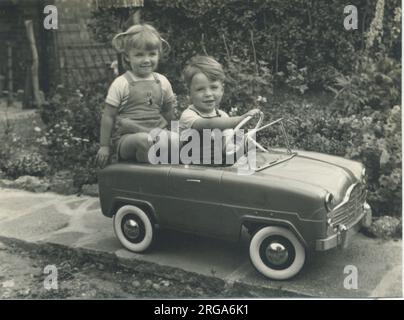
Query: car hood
{"points": [[331, 173]]}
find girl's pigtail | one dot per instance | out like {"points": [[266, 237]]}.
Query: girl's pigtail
{"points": [[165, 47], [118, 42]]}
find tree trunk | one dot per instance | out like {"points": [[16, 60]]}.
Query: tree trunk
{"points": [[35, 63], [10, 73]]}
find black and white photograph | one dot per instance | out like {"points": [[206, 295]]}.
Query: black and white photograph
{"points": [[172, 150]]}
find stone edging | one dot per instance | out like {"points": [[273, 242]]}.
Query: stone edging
{"points": [[40, 185]]}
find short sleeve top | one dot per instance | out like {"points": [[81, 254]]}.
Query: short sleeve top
{"points": [[191, 114]]}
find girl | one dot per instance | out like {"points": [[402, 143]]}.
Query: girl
{"points": [[137, 101]]}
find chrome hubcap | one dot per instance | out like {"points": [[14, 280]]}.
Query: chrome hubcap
{"points": [[131, 229], [277, 253]]}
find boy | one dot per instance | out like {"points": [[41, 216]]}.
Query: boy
{"points": [[204, 77]]}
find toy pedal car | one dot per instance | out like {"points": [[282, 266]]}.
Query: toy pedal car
{"points": [[292, 202]]}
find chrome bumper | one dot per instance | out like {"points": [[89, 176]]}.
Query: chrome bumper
{"points": [[341, 237]]}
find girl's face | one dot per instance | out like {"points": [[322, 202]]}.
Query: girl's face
{"points": [[143, 62], [205, 94]]}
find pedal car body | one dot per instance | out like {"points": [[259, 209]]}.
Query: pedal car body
{"points": [[292, 202]]}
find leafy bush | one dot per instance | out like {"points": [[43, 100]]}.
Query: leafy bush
{"points": [[7, 141], [308, 34], [375, 85], [71, 135], [295, 79], [16, 155], [31, 164], [245, 80], [376, 141]]}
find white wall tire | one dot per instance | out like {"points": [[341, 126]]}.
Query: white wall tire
{"points": [[133, 228], [277, 253]]}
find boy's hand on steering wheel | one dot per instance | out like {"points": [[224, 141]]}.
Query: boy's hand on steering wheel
{"points": [[253, 113], [102, 157]]}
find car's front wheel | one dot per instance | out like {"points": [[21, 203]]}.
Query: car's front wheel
{"points": [[133, 228], [277, 253]]}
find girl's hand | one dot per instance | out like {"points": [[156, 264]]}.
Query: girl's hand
{"points": [[252, 113], [102, 157]]}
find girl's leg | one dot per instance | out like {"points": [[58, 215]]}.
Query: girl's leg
{"points": [[135, 147]]}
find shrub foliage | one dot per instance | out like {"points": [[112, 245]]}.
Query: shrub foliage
{"points": [[71, 135]]}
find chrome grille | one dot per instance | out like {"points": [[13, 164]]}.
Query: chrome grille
{"points": [[352, 208]]}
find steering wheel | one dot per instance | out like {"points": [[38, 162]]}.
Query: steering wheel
{"points": [[229, 146]]}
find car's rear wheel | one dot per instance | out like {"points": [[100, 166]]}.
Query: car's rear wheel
{"points": [[133, 228], [277, 253]]}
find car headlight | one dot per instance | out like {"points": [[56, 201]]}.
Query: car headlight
{"points": [[328, 201]]}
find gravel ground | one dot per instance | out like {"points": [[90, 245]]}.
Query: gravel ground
{"points": [[22, 276]]}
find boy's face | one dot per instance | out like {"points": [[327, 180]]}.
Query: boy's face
{"points": [[143, 62], [205, 94]]}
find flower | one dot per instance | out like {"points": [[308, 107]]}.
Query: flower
{"points": [[79, 94], [233, 111], [376, 26], [37, 129]]}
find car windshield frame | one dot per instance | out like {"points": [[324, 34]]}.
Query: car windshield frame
{"points": [[289, 152]]}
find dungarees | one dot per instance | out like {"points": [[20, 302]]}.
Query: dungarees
{"points": [[144, 106]]}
